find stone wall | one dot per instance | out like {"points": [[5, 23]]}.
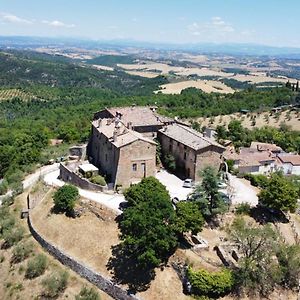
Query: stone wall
{"points": [[70, 176], [95, 278]]}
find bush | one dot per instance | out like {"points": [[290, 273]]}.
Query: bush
{"points": [[212, 284], [87, 294], [65, 198], [3, 187], [7, 221], [21, 252], [243, 209], [13, 236], [257, 180], [36, 266], [55, 284], [98, 180]]}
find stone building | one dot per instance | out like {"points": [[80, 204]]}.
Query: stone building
{"points": [[191, 150], [143, 119], [122, 154]]}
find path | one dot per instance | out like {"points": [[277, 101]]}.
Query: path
{"points": [[111, 201], [242, 192]]}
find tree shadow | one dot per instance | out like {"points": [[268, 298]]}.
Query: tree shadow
{"points": [[127, 270], [264, 215]]}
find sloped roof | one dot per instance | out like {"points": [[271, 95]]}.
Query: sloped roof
{"points": [[265, 147], [293, 159], [139, 115], [125, 136], [188, 136]]}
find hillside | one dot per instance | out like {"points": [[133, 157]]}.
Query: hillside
{"points": [[37, 71]]}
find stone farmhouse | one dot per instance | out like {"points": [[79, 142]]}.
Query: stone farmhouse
{"points": [[122, 145], [191, 150], [142, 119], [122, 154]]}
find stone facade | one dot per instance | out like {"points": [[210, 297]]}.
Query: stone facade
{"points": [[121, 154], [191, 153]]}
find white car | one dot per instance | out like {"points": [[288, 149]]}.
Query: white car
{"points": [[188, 183]]}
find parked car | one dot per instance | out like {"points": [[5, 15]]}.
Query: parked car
{"points": [[123, 205], [188, 183]]}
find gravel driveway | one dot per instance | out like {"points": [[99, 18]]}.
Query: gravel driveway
{"points": [[173, 185]]}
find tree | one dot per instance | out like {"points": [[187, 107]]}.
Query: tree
{"points": [[189, 217], [207, 196], [65, 198], [221, 132], [147, 224], [257, 269], [280, 193], [289, 260], [236, 131]]}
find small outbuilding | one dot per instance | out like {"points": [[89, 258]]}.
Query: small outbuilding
{"points": [[88, 170]]}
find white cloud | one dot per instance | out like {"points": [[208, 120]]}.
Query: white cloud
{"points": [[10, 18], [56, 23], [216, 25]]}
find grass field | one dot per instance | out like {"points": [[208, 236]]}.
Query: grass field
{"points": [[13, 284]]}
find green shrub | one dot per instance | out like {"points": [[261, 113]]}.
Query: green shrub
{"points": [[87, 294], [98, 180], [21, 252], [3, 187], [65, 198], [7, 221], [212, 284], [13, 236], [55, 284], [36, 266], [257, 180], [243, 209]]}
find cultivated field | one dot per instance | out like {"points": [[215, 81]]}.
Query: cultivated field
{"points": [[207, 86], [146, 68], [15, 93], [105, 68], [256, 120]]}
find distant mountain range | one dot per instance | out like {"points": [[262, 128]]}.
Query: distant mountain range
{"points": [[24, 42]]}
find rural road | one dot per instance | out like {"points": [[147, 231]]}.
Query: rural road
{"points": [[242, 192], [111, 201]]}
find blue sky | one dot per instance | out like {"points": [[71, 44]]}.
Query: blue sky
{"points": [[270, 22]]}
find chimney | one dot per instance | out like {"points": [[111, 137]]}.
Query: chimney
{"points": [[115, 135], [129, 125], [99, 123]]}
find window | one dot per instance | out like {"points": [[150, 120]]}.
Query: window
{"points": [[184, 156], [170, 148], [105, 157], [134, 167]]}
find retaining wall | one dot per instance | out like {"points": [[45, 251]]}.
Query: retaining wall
{"points": [[95, 278], [68, 175]]}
